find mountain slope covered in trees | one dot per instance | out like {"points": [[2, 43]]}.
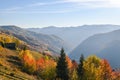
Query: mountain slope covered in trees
{"points": [[22, 63], [106, 45]]}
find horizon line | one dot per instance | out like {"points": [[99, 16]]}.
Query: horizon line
{"points": [[63, 26]]}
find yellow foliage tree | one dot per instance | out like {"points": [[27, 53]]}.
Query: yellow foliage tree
{"points": [[8, 40], [1, 48], [46, 68], [91, 66], [74, 75]]}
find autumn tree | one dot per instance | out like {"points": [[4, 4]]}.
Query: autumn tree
{"points": [[69, 62], [28, 61], [80, 69], [105, 72], [74, 64], [115, 74], [1, 48], [73, 71], [74, 75], [62, 70], [17, 42], [91, 66], [8, 40], [46, 68]]}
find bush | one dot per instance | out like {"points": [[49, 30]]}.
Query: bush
{"points": [[11, 74]]}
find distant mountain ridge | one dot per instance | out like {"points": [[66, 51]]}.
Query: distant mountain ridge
{"points": [[75, 35], [38, 41], [105, 45]]}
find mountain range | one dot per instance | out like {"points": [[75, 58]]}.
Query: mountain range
{"points": [[105, 45], [75, 35], [100, 40]]}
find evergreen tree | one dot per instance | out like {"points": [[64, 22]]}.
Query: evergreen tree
{"points": [[80, 69], [62, 67]]}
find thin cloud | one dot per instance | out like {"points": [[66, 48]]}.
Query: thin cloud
{"points": [[16, 9], [13, 8], [36, 5], [79, 4], [83, 0], [47, 4], [97, 3], [38, 12]]}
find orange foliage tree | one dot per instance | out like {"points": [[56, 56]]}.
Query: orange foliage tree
{"points": [[29, 63], [105, 70], [46, 68], [74, 64], [69, 62]]}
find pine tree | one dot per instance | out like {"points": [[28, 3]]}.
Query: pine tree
{"points": [[80, 69], [62, 67]]}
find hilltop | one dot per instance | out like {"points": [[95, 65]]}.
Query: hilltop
{"points": [[37, 41]]}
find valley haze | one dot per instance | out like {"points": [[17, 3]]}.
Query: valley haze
{"points": [[78, 37]]}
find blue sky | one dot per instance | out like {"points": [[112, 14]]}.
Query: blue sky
{"points": [[61, 13]]}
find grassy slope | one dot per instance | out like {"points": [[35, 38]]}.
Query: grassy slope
{"points": [[10, 65]]}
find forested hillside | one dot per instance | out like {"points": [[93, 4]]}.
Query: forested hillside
{"points": [[23, 63]]}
